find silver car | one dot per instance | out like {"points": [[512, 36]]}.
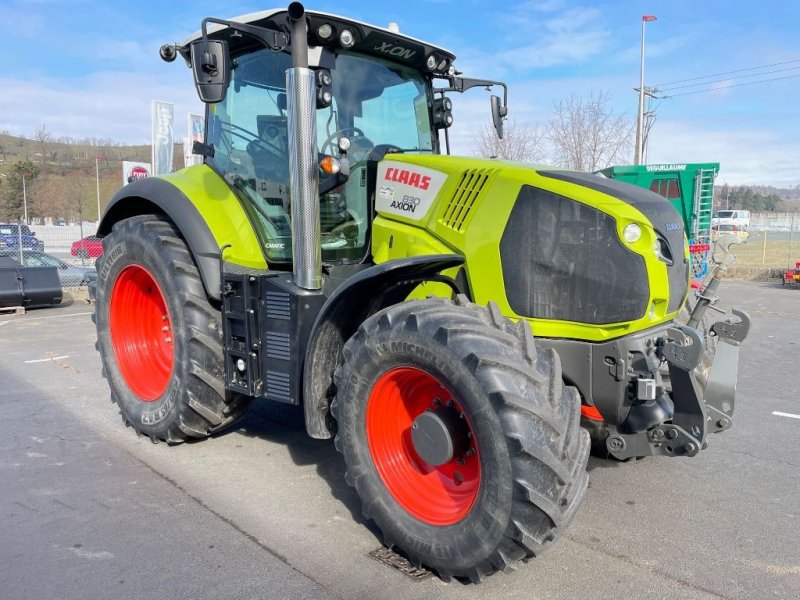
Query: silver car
{"points": [[69, 275]]}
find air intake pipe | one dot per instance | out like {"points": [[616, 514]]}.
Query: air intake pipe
{"points": [[303, 168]]}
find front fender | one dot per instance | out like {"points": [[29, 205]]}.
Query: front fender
{"points": [[347, 307]]}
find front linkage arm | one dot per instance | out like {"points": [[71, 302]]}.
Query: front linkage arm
{"points": [[698, 411]]}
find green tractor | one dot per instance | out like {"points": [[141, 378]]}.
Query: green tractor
{"points": [[450, 321]]}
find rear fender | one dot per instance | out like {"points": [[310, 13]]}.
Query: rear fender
{"points": [[205, 211]]}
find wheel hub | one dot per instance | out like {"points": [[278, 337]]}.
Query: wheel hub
{"points": [[423, 446], [439, 435], [141, 332]]}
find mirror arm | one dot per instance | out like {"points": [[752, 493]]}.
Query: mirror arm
{"points": [[272, 39], [462, 84]]}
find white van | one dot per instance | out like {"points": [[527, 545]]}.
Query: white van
{"points": [[739, 218]]}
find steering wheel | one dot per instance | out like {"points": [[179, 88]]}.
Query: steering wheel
{"points": [[358, 137]]}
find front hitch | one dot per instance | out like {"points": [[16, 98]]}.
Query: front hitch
{"points": [[720, 392]]}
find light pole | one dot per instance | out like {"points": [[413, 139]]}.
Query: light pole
{"points": [[637, 159], [97, 174], [24, 199]]}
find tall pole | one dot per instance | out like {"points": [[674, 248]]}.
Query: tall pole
{"points": [[637, 159], [24, 199], [97, 174]]}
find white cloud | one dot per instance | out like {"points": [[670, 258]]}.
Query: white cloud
{"points": [[746, 155], [112, 105], [568, 37]]}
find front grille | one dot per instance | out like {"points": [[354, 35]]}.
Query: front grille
{"points": [[459, 210], [661, 214], [564, 260]]}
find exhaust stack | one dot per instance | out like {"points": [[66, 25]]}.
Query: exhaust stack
{"points": [[303, 168]]}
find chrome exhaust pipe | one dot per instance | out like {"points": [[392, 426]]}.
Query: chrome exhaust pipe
{"points": [[301, 101]]}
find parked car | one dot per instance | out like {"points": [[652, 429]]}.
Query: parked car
{"points": [[740, 218], [718, 231], [69, 275], [89, 247], [10, 237]]}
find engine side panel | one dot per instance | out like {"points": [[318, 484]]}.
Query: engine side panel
{"points": [[471, 210]]}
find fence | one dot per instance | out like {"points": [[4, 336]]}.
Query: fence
{"points": [[775, 221], [72, 249]]}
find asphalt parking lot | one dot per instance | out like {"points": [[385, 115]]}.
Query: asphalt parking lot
{"points": [[261, 511]]}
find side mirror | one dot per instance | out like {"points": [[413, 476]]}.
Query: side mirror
{"points": [[211, 68], [498, 114]]}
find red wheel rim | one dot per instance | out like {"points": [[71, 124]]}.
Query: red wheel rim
{"points": [[141, 333], [438, 495]]}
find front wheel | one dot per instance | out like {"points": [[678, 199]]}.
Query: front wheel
{"points": [[461, 440], [159, 337]]}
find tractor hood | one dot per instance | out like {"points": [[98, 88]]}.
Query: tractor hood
{"points": [[570, 251]]}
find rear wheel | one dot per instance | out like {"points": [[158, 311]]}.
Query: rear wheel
{"points": [[461, 440], [159, 337]]}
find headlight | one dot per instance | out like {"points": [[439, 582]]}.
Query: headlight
{"points": [[632, 233]]}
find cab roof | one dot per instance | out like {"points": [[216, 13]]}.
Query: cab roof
{"points": [[369, 39]]}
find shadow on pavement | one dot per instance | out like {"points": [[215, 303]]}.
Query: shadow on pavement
{"points": [[285, 424]]}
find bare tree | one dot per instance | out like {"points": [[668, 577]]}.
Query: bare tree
{"points": [[42, 136], [586, 134], [521, 142]]}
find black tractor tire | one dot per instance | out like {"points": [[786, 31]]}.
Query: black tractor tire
{"points": [[524, 421], [194, 402]]}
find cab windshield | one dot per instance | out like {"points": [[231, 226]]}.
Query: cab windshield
{"points": [[375, 103]]}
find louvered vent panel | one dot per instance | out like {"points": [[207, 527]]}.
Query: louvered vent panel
{"points": [[470, 186], [278, 305], [278, 386], [278, 346]]}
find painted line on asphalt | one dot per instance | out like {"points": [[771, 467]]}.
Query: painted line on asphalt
{"points": [[777, 413], [41, 360], [43, 318]]}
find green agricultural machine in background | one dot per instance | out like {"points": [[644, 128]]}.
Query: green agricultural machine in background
{"points": [[690, 189], [327, 254]]}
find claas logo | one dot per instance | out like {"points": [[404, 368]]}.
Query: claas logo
{"points": [[408, 177]]}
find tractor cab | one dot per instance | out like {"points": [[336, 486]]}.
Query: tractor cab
{"points": [[374, 96]]}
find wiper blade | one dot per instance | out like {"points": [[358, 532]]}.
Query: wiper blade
{"points": [[403, 150]]}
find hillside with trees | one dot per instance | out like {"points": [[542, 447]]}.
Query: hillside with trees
{"points": [[757, 198], [61, 175]]}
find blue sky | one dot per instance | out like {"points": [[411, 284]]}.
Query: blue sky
{"points": [[90, 69]]}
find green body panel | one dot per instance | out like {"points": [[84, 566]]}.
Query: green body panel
{"points": [[686, 175], [222, 212], [477, 237]]}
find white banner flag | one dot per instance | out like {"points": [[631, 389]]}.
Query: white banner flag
{"points": [[197, 130], [163, 116], [131, 171]]}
